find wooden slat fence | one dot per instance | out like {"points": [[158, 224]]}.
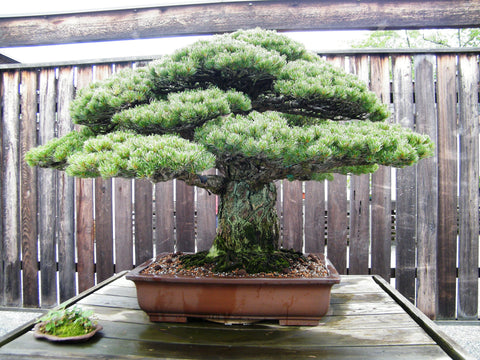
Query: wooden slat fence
{"points": [[60, 236]]}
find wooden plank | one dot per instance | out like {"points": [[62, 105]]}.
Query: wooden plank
{"points": [[206, 216], [185, 218], [47, 191], [447, 184], [203, 18], [28, 200], [381, 182], [406, 189], [85, 232], [10, 195], [2, 196], [427, 187], [116, 347], [292, 215], [123, 224], [143, 220], [66, 192], [359, 239], [103, 211], [164, 216], [468, 198], [337, 223], [314, 217]]}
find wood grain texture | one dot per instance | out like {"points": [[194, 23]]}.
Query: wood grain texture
{"points": [[314, 217], [28, 199], [468, 198], [381, 182], [427, 187], [66, 192], [337, 223], [185, 217], [165, 217], [85, 228], [447, 184], [406, 190], [47, 191], [123, 224], [359, 221], [206, 217], [143, 220], [292, 215], [219, 17], [10, 189]]}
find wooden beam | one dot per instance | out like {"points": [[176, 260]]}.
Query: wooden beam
{"points": [[219, 17]]}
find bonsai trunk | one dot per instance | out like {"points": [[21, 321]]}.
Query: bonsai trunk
{"points": [[247, 219]]}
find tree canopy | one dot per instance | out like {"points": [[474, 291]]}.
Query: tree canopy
{"points": [[254, 104]]}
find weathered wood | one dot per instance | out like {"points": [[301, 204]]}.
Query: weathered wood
{"points": [[468, 199], [123, 224], [215, 17], [406, 190], [381, 182], [427, 182], [337, 223], [292, 215], [47, 191], [447, 184], [66, 192], [359, 224], [206, 217], [103, 211], [85, 231], [185, 219], [2, 262], [314, 217], [164, 216], [143, 221], [10, 188], [28, 200], [365, 322]]}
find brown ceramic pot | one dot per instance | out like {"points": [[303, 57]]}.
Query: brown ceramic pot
{"points": [[291, 301]]}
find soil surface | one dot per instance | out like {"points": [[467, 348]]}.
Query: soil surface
{"points": [[312, 266]]}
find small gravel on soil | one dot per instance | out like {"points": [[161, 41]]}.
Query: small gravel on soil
{"points": [[311, 267]]}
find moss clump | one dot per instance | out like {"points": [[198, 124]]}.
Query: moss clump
{"points": [[67, 322], [253, 262]]}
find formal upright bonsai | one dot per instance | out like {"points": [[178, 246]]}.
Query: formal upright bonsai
{"points": [[253, 104]]}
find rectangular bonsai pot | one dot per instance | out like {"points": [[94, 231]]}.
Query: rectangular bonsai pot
{"points": [[291, 301]]}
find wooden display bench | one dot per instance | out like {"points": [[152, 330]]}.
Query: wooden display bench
{"points": [[367, 319]]}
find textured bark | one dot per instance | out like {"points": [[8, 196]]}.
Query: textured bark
{"points": [[247, 218]]}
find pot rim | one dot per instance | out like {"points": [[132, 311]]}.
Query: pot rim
{"points": [[332, 278]]}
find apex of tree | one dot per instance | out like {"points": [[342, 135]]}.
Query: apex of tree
{"points": [[254, 104]]}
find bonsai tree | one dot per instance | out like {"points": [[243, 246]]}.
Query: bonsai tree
{"points": [[253, 104]]}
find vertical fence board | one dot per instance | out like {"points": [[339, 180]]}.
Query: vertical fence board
{"points": [[123, 224], [292, 215], [85, 230], [427, 199], [2, 196], [185, 211], [381, 182], [10, 184], [337, 223], [406, 191], [103, 210], [66, 192], [206, 217], [47, 192], [28, 201], [359, 224], [123, 210], [468, 200], [447, 184], [143, 221], [314, 217], [164, 216]]}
